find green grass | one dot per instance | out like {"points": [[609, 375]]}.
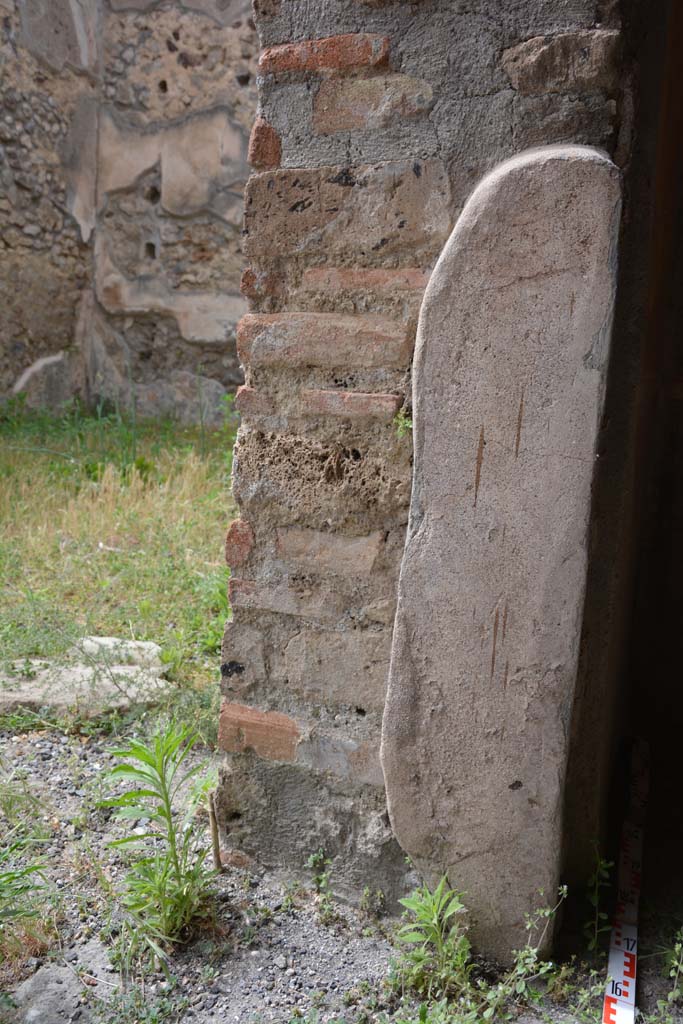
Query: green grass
{"points": [[113, 527]]}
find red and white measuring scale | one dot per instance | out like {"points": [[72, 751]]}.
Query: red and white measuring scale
{"points": [[619, 1006]]}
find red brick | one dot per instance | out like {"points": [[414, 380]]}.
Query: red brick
{"points": [[352, 405], [265, 148], [238, 542], [338, 53], [257, 284], [268, 733], [323, 339], [250, 402]]}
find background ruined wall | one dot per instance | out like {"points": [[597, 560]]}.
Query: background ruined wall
{"points": [[124, 146], [376, 119], [44, 263]]}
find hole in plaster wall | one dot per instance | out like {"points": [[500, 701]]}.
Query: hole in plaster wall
{"points": [[361, 712], [243, 78], [235, 816], [163, 85], [153, 194], [176, 34], [171, 46], [150, 250]]}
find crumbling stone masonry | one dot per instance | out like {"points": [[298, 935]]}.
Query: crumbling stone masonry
{"points": [[376, 120], [123, 133]]}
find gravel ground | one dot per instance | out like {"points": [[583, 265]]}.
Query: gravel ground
{"points": [[267, 958]]}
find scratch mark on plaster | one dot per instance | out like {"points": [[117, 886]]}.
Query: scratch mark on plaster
{"points": [[505, 618], [571, 304], [520, 417], [480, 459], [495, 641], [505, 679]]}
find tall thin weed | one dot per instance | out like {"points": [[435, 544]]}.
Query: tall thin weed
{"points": [[167, 888]]}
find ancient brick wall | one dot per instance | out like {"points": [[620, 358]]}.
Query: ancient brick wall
{"points": [[124, 199], [376, 119]]}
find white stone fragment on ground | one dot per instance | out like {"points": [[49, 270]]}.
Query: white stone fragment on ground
{"points": [[114, 650], [103, 673]]}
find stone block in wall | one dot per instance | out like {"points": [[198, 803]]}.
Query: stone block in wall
{"points": [[348, 668], [350, 405], [590, 119], [569, 62], [335, 749], [318, 602], [351, 121], [242, 658], [323, 339], [317, 552], [349, 52], [358, 211], [359, 282], [324, 600], [348, 104], [346, 485]]}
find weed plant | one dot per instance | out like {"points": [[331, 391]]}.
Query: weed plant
{"points": [[134, 1006], [403, 423], [436, 957], [436, 962], [26, 917], [167, 888], [319, 864], [19, 882], [597, 923], [673, 966]]}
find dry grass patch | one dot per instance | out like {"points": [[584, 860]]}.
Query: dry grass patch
{"points": [[114, 528]]}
